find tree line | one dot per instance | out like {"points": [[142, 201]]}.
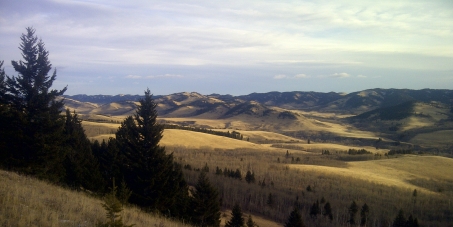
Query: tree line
{"points": [[233, 134]]}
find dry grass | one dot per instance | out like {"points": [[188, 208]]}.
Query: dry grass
{"points": [[398, 172], [443, 137], [93, 129], [25, 201]]}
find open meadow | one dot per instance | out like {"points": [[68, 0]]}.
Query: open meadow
{"points": [[284, 167]]}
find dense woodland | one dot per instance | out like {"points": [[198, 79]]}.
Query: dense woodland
{"points": [[38, 138]]}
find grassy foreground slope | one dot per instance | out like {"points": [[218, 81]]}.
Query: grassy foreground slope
{"points": [[25, 201]]}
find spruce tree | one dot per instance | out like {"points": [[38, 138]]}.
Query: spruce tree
{"points": [[364, 214], [294, 219], [315, 209], [113, 208], [82, 168], [250, 222], [353, 209], [328, 211], [400, 220], [250, 177], [150, 173], [236, 217], [35, 140], [205, 203], [4, 154]]}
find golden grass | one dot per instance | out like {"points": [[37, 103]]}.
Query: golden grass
{"points": [[332, 147], [93, 129], [175, 137], [443, 137], [25, 201], [393, 172]]}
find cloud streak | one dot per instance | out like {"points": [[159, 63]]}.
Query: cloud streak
{"points": [[135, 77]]}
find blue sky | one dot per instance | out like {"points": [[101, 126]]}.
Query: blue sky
{"points": [[236, 47]]}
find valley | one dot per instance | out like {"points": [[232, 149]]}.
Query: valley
{"points": [[293, 144]]}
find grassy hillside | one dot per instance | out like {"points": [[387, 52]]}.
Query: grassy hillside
{"points": [[25, 201], [385, 184]]}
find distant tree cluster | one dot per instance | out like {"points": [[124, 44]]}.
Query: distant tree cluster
{"points": [[356, 152], [394, 152], [233, 134], [38, 140]]}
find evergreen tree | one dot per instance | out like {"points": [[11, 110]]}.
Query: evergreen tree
{"points": [[82, 168], [205, 203], [250, 222], [353, 209], [315, 209], [364, 214], [270, 200], [400, 220], [236, 217], [4, 123], [35, 140], [113, 208], [411, 222], [294, 219], [155, 181], [328, 211], [250, 177]]}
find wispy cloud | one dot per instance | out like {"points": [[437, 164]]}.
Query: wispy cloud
{"points": [[339, 75], [297, 76], [280, 76], [153, 77]]}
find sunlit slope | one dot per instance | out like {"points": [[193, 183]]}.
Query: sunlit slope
{"points": [[442, 137], [25, 201], [175, 137], [425, 173]]}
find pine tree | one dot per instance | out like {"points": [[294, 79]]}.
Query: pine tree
{"points": [[400, 220], [328, 211], [364, 214], [250, 222], [250, 177], [113, 208], [270, 200], [411, 222], [294, 219], [82, 168], [35, 141], [236, 217], [3, 119], [155, 181], [205, 203], [353, 209], [315, 209]]}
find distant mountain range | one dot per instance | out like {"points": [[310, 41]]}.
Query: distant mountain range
{"points": [[187, 104]]}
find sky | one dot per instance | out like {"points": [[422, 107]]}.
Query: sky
{"points": [[236, 47]]}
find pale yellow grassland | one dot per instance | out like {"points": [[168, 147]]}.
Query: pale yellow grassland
{"points": [[250, 123], [175, 137], [331, 147], [443, 137], [190, 139], [393, 172], [93, 129], [435, 115], [213, 123], [262, 136], [25, 201]]}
